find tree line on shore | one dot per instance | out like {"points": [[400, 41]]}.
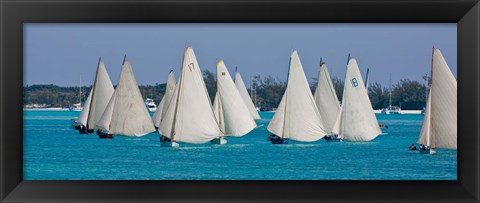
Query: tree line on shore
{"points": [[268, 91]]}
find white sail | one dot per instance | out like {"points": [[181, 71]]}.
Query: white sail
{"points": [[102, 92], [189, 117], [326, 99], [161, 109], [129, 116], [297, 116], [245, 96], [86, 107], [425, 133], [236, 119], [439, 129], [357, 119], [218, 111], [104, 122]]}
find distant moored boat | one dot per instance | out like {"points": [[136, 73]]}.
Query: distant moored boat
{"points": [[150, 104], [78, 106]]}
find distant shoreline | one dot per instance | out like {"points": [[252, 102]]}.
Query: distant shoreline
{"points": [[47, 109], [377, 111]]}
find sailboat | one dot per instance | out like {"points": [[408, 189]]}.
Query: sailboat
{"points": [[167, 97], [391, 109], [78, 106], [297, 117], [439, 128], [82, 119], [126, 113], [356, 120], [231, 112], [244, 93], [189, 117], [100, 94], [327, 103]]}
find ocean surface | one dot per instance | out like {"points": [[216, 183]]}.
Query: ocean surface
{"points": [[53, 150]]}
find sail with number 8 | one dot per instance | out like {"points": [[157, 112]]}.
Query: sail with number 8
{"points": [[230, 110], [356, 120]]}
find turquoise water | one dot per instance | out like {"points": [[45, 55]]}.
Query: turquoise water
{"points": [[53, 150]]}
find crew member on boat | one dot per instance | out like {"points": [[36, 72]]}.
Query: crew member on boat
{"points": [[83, 130], [412, 147], [275, 139], [423, 147], [103, 135], [165, 139]]}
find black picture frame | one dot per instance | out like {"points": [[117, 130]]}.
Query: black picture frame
{"points": [[466, 13]]}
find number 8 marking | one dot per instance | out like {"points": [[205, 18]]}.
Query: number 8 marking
{"points": [[354, 82]]}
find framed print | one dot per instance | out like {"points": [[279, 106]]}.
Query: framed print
{"points": [[239, 101]]}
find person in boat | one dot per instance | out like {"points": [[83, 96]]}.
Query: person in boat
{"points": [[165, 139], [103, 135], [412, 147], [272, 137], [331, 137], [422, 147], [82, 129]]}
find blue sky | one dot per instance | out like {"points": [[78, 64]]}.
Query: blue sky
{"points": [[59, 53]]}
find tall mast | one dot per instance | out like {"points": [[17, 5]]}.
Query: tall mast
{"points": [[390, 88], [251, 90], [218, 95], [180, 79], [286, 96], [366, 79], [93, 91], [426, 89], [254, 94], [80, 90]]}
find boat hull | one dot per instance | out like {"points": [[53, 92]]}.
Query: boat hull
{"points": [[427, 151], [220, 140], [169, 144], [332, 138], [280, 141], [106, 136]]}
